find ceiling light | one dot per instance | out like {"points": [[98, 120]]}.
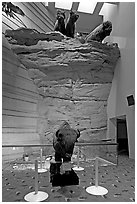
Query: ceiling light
{"points": [[87, 6], [64, 4], [46, 3]]}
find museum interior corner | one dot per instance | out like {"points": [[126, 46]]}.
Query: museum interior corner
{"points": [[68, 101]]}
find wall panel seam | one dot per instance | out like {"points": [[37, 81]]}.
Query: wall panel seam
{"points": [[43, 18], [17, 76], [19, 99], [7, 25], [16, 87], [11, 20], [37, 17], [19, 116], [49, 19], [17, 65], [20, 94], [21, 111]]}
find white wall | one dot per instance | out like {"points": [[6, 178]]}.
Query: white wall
{"points": [[123, 21], [19, 94]]}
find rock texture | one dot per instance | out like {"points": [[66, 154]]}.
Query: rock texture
{"points": [[27, 36], [74, 81]]}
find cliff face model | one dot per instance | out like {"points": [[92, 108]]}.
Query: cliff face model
{"points": [[74, 81]]}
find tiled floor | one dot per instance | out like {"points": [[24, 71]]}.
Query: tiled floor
{"points": [[119, 180]]}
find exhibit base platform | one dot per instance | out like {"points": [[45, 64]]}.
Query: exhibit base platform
{"points": [[96, 190], [36, 197]]}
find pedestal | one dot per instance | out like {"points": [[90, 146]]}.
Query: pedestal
{"points": [[99, 190], [36, 196], [96, 190], [78, 168], [41, 170]]}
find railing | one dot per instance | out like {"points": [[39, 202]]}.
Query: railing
{"points": [[37, 165], [79, 146], [49, 145]]}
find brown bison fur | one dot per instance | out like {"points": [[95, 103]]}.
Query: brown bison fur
{"points": [[60, 24], [70, 27], [100, 32], [64, 142]]}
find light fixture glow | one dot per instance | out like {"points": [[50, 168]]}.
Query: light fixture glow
{"points": [[46, 3], [64, 4], [87, 6]]}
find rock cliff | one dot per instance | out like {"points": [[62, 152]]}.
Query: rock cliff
{"points": [[73, 79]]}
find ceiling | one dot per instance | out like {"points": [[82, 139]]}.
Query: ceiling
{"points": [[87, 7]]}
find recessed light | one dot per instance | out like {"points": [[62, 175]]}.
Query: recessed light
{"points": [[64, 4], [87, 6]]}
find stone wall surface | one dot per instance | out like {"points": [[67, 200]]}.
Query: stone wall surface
{"points": [[74, 82]]}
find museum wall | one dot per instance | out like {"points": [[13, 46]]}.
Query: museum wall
{"points": [[19, 94], [123, 84]]}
